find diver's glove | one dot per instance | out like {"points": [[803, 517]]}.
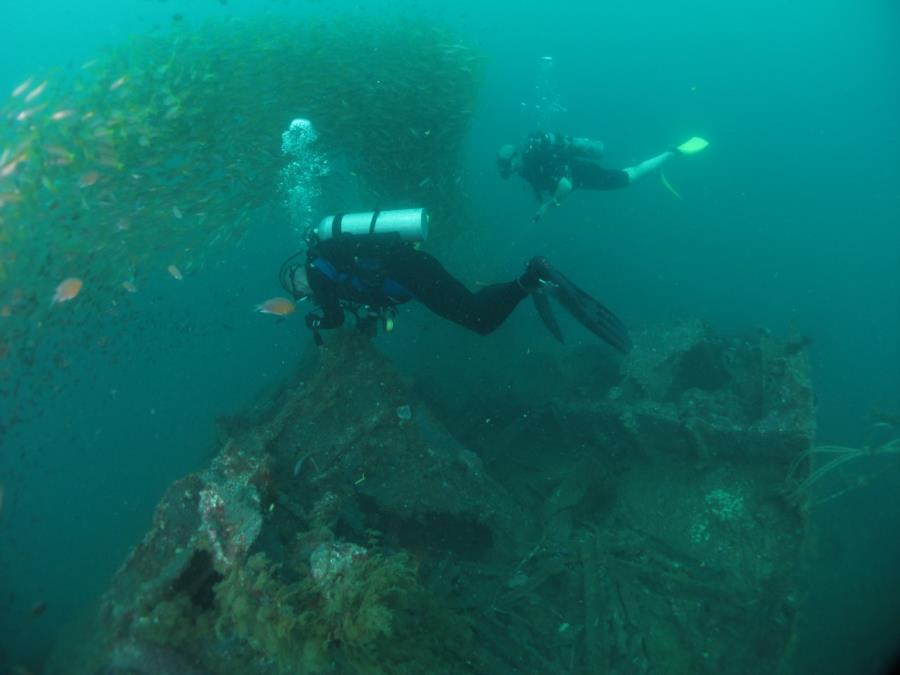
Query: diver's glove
{"points": [[313, 321]]}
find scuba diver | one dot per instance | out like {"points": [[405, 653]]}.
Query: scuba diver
{"points": [[369, 263], [554, 165]]}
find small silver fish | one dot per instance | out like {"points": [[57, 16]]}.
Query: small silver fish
{"points": [[18, 91], [37, 91]]}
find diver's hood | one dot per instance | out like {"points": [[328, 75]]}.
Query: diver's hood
{"points": [[291, 269]]}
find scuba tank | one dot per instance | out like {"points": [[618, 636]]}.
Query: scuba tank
{"points": [[366, 237], [410, 224]]}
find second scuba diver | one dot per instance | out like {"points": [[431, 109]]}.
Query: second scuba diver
{"points": [[555, 164], [371, 274]]}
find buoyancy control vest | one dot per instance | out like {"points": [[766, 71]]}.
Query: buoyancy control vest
{"points": [[358, 267]]}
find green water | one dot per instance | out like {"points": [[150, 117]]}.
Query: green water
{"points": [[788, 222]]}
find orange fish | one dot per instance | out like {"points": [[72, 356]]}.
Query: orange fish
{"points": [[67, 290], [175, 272], [22, 87], [37, 91], [276, 306], [61, 115], [88, 179]]}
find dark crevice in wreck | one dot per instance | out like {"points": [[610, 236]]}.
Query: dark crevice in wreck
{"points": [[434, 533], [703, 367], [197, 581]]}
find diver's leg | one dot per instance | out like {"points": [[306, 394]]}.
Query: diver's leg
{"points": [[446, 296], [590, 176], [690, 147], [648, 166], [494, 303]]}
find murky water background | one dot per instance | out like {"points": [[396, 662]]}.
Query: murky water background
{"points": [[788, 223]]}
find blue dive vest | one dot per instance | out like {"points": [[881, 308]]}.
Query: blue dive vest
{"points": [[366, 285]]}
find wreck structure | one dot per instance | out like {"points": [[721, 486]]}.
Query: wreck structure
{"points": [[633, 518]]}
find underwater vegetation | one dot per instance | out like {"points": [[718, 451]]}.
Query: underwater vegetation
{"points": [[804, 474], [363, 617], [155, 154], [345, 609]]}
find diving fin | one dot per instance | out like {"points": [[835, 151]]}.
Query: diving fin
{"points": [[545, 311], [587, 311], [668, 185], [692, 146]]}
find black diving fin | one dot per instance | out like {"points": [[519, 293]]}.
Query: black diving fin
{"points": [[545, 311], [583, 308]]}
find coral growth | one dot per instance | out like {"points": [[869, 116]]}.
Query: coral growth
{"points": [[174, 623], [362, 618]]}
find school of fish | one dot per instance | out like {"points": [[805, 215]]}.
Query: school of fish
{"points": [[148, 160]]}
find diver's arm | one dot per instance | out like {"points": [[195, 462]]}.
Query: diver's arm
{"points": [[325, 295], [330, 317], [563, 188]]}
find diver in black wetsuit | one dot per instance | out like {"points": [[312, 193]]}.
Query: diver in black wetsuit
{"points": [[371, 275], [555, 164]]}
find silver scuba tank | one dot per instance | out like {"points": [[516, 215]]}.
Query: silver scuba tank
{"points": [[410, 224]]}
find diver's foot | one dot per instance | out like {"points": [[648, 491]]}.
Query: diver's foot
{"points": [[537, 270]]}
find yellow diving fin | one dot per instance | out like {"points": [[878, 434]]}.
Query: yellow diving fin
{"points": [[693, 145], [668, 185]]}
